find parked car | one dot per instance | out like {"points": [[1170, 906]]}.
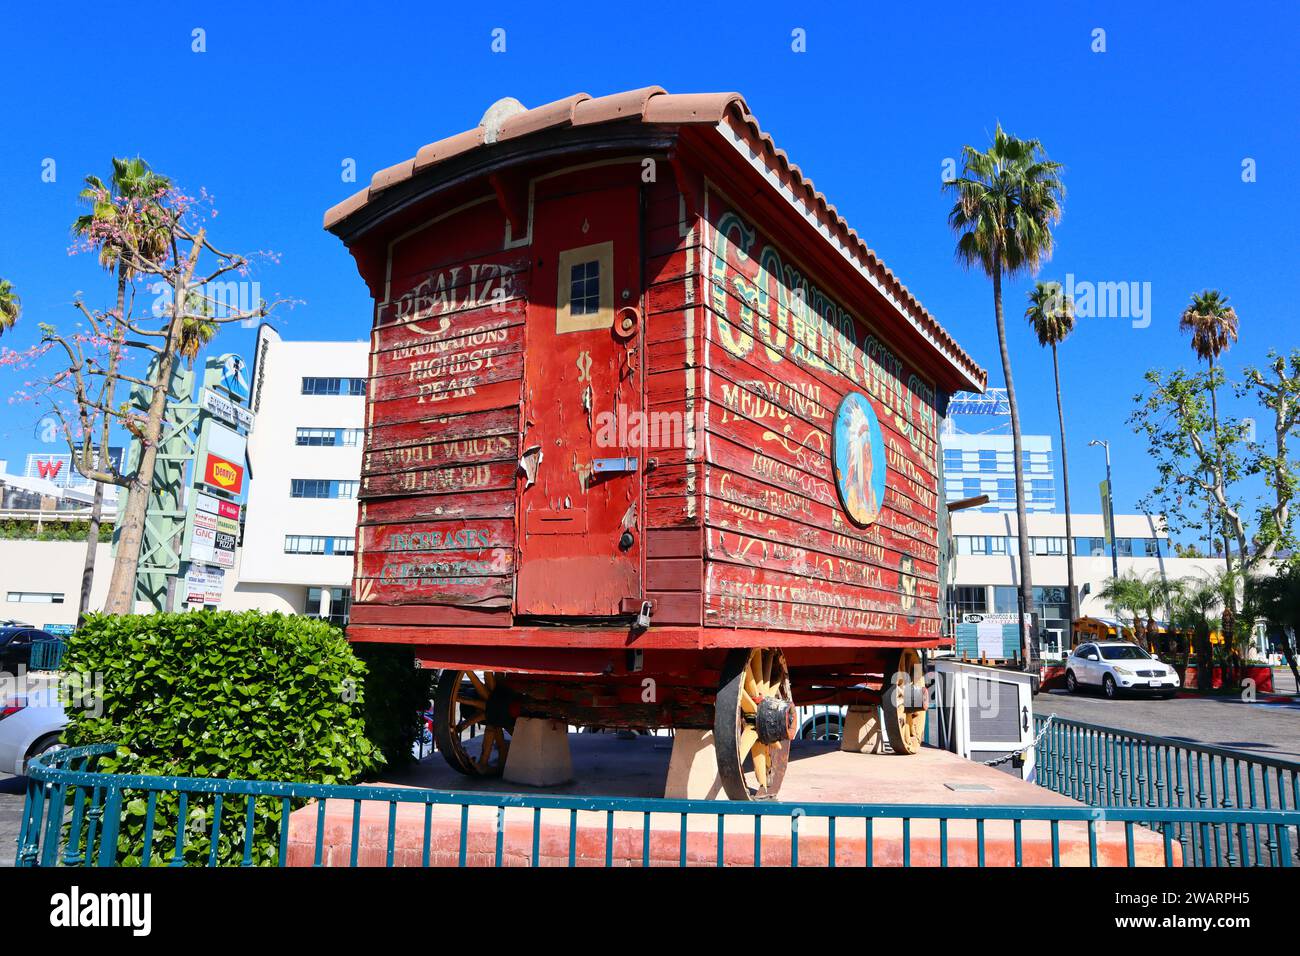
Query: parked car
{"points": [[16, 646], [30, 726], [1119, 667]]}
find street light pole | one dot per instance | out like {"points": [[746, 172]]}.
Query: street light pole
{"points": [[1110, 506]]}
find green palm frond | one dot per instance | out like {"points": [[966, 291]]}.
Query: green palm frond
{"points": [[134, 182], [1006, 201], [1211, 322], [11, 306], [1050, 312]]}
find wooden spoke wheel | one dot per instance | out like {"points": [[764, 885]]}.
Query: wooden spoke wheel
{"points": [[903, 700], [471, 722], [754, 721]]}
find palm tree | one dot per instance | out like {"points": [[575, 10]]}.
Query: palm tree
{"points": [[1197, 601], [131, 182], [1051, 313], [1007, 199], [11, 306], [1126, 594], [1213, 327]]}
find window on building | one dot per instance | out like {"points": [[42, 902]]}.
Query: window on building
{"points": [[318, 544], [333, 386], [1090, 547], [309, 488], [35, 597], [329, 437], [316, 437], [1047, 546], [322, 488], [969, 599], [1124, 547], [584, 288], [304, 544], [1150, 547], [340, 605]]}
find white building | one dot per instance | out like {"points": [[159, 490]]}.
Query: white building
{"points": [[304, 457], [986, 573]]}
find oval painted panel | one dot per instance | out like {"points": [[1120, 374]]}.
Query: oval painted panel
{"points": [[859, 453]]}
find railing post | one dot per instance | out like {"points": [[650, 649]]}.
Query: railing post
{"points": [[112, 823]]}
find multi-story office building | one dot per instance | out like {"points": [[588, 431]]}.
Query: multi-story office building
{"points": [[304, 456], [976, 465], [986, 574]]}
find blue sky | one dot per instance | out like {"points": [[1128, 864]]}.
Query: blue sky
{"points": [[1153, 133]]}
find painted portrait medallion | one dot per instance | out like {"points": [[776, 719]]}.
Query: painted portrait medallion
{"points": [[859, 453]]}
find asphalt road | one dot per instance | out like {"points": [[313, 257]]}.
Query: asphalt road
{"points": [[1258, 728]]}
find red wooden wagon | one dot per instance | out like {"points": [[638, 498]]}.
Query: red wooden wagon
{"points": [[651, 435]]}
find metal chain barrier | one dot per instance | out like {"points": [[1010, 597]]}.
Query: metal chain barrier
{"points": [[1016, 753]]}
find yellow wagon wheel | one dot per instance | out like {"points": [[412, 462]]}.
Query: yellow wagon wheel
{"points": [[903, 701], [472, 703], [753, 724]]}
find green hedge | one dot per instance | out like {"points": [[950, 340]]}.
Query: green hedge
{"points": [[22, 530], [220, 694], [397, 693]]}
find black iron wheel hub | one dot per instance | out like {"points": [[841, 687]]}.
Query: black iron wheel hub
{"points": [[775, 720]]}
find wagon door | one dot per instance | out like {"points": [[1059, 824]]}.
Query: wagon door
{"points": [[579, 495]]}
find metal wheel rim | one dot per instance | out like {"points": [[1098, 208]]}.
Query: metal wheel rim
{"points": [[748, 768], [462, 703]]}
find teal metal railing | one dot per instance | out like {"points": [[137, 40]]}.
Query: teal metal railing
{"points": [[74, 816], [47, 655], [1112, 768]]}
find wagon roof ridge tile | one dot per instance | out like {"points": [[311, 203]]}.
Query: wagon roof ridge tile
{"points": [[654, 105]]}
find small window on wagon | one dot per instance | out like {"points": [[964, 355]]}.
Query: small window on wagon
{"points": [[585, 289]]}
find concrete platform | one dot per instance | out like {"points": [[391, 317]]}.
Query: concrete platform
{"points": [[604, 765]]}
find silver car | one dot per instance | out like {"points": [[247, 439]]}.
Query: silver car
{"points": [[29, 726]]}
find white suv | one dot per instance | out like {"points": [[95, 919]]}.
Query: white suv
{"points": [[1117, 666]]}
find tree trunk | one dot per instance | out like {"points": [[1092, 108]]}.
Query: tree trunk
{"points": [[1022, 523], [1065, 482], [92, 546], [130, 521], [1214, 423], [92, 534]]}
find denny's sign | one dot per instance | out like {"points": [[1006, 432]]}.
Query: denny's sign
{"points": [[223, 459]]}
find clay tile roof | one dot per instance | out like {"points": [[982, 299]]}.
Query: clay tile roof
{"points": [[617, 106], [508, 119]]}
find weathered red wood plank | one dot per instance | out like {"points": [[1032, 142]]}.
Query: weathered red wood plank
{"points": [[466, 398], [462, 478], [502, 421], [421, 537], [436, 454], [433, 589], [434, 294], [734, 495], [456, 378], [674, 574], [429, 615], [665, 543], [480, 504], [904, 577], [428, 571]]}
